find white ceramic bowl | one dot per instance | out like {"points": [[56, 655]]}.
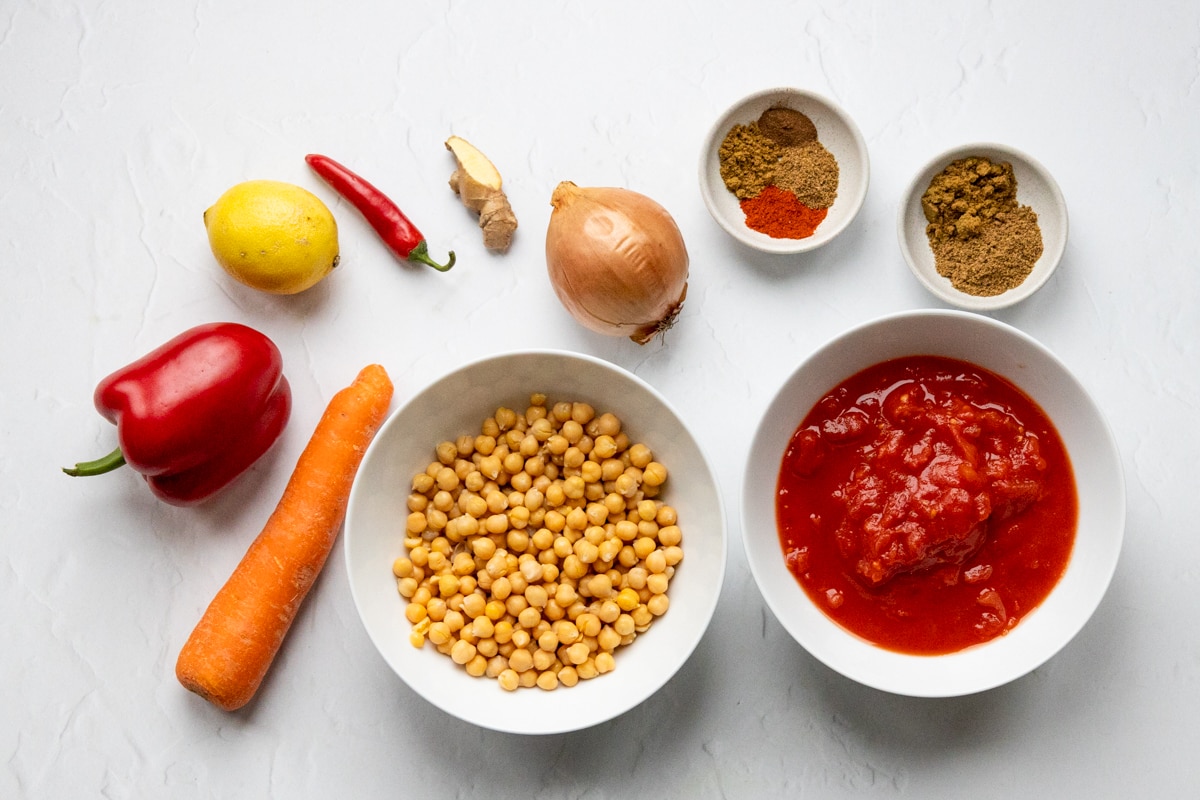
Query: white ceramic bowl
{"points": [[835, 129], [1090, 445], [1036, 188], [457, 404]]}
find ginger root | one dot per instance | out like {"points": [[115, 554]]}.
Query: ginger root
{"points": [[477, 182]]}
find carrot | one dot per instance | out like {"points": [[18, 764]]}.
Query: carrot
{"points": [[228, 654]]}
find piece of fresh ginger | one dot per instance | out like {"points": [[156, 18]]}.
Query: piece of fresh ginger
{"points": [[477, 182]]}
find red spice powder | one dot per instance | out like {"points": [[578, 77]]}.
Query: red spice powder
{"points": [[781, 215]]}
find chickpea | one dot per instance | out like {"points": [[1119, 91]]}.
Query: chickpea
{"points": [[604, 446], [508, 680], [521, 660], [477, 666], [462, 652], [503, 631], [609, 549], [422, 483], [568, 676], [608, 611], [496, 665], [541, 429], [515, 604], [521, 481], [608, 639], [529, 617]]}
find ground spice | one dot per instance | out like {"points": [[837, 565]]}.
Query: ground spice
{"points": [[787, 127], [748, 159], [983, 241], [781, 215], [1000, 257], [966, 195], [810, 172]]}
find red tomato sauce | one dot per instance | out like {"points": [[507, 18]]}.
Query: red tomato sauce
{"points": [[926, 505]]}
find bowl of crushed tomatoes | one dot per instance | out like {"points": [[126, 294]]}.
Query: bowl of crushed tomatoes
{"points": [[933, 505]]}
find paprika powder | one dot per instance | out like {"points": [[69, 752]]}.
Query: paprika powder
{"points": [[781, 215], [195, 413]]}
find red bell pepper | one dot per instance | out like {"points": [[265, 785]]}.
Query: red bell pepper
{"points": [[195, 413], [395, 229]]}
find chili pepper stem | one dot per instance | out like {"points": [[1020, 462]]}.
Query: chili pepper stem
{"points": [[100, 466], [421, 253]]}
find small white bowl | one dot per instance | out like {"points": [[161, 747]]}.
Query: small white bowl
{"points": [[456, 404], [1099, 485], [835, 129], [1036, 188]]}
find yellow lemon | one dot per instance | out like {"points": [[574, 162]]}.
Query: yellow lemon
{"points": [[273, 236]]}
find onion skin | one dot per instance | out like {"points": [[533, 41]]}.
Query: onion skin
{"points": [[616, 260]]}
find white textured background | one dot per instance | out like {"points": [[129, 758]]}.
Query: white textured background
{"points": [[120, 122]]}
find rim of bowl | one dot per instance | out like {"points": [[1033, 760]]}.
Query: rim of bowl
{"points": [[518, 723], [883, 669], [910, 239], [710, 188]]}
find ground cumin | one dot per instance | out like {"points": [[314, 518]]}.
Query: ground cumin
{"points": [[999, 258], [983, 241], [810, 172], [966, 195], [748, 159]]}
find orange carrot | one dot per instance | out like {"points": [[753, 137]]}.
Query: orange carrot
{"points": [[233, 645]]}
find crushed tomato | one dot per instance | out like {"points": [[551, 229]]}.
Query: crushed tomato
{"points": [[926, 504]]}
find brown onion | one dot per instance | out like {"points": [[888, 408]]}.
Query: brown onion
{"points": [[616, 260]]}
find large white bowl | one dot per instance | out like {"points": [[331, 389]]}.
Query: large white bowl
{"points": [[457, 404], [835, 129], [1098, 476]]}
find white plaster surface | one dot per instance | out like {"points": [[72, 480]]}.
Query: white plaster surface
{"points": [[120, 122]]}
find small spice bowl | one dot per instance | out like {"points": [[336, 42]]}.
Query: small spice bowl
{"points": [[1036, 188], [835, 130]]}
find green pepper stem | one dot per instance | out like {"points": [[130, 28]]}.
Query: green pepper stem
{"points": [[98, 467], [421, 253]]}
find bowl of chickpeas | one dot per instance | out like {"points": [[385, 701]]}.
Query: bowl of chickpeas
{"points": [[536, 542]]}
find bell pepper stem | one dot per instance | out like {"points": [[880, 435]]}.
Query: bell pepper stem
{"points": [[100, 466], [421, 253]]}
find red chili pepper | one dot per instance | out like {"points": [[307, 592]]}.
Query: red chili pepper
{"points": [[397, 232], [195, 413]]}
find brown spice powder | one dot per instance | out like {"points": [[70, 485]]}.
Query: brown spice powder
{"points": [[999, 256], [810, 172], [966, 195], [786, 126], [748, 160]]}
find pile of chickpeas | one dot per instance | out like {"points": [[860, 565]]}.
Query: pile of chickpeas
{"points": [[539, 547]]}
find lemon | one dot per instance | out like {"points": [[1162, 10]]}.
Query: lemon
{"points": [[273, 236]]}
